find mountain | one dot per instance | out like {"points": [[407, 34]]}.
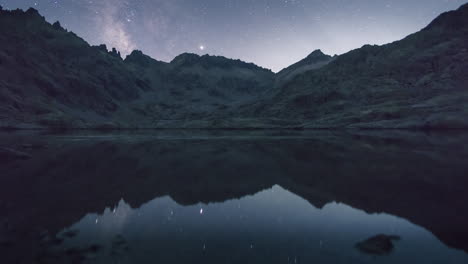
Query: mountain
{"points": [[193, 87], [418, 82], [314, 61], [51, 78]]}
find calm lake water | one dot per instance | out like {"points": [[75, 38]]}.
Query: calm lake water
{"points": [[233, 197]]}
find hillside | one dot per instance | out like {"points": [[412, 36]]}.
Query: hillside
{"points": [[418, 82], [53, 78]]}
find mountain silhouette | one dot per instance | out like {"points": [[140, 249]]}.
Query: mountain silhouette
{"points": [[51, 78]]}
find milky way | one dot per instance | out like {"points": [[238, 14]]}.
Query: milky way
{"points": [[270, 33]]}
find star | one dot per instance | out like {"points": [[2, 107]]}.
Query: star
{"points": [[201, 47]]}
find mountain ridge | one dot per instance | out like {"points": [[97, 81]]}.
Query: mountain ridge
{"points": [[427, 69], [55, 79]]}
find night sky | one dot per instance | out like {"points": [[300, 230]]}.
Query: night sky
{"points": [[270, 33]]}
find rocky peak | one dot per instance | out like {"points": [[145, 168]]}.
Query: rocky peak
{"points": [[313, 61], [115, 53], [137, 57], [136, 54], [32, 11], [185, 59], [317, 55], [20, 14], [57, 26], [208, 61], [101, 47]]}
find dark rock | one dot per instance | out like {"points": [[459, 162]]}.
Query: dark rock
{"points": [[115, 53], [102, 47], [57, 26], [32, 11], [378, 245]]}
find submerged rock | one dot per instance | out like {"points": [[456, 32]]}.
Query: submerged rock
{"points": [[377, 245]]}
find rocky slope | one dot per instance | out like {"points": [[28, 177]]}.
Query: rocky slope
{"points": [[420, 81], [52, 78], [193, 87]]}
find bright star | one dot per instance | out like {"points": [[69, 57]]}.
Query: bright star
{"points": [[201, 47]]}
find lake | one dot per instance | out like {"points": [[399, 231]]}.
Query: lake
{"points": [[195, 196]]}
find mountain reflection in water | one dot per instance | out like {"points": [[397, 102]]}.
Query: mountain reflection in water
{"points": [[232, 197]]}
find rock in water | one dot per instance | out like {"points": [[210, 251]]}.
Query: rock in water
{"points": [[377, 245]]}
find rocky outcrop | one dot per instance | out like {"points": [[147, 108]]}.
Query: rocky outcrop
{"points": [[378, 245]]}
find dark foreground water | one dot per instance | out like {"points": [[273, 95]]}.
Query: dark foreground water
{"points": [[233, 197]]}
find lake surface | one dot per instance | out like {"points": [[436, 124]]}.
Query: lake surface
{"points": [[233, 197]]}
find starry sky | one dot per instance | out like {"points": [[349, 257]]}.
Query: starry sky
{"points": [[270, 33]]}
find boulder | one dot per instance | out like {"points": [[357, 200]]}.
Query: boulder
{"points": [[378, 245]]}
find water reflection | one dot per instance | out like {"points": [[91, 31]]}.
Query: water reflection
{"points": [[273, 226], [233, 197]]}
